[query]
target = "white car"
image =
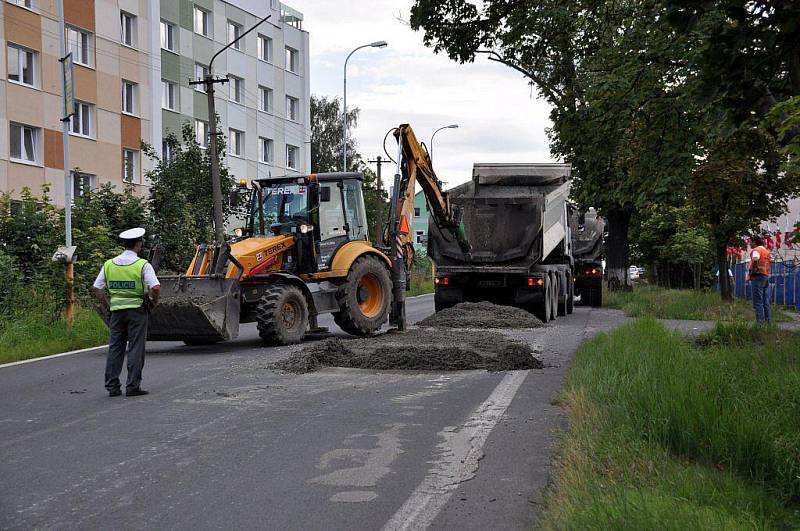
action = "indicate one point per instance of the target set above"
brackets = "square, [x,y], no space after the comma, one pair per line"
[633,273]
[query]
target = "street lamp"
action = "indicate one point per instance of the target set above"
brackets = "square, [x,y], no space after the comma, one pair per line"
[451,126]
[376,44]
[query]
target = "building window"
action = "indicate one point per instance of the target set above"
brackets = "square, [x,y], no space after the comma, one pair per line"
[80,123]
[200,72]
[201,133]
[265,48]
[420,237]
[237,89]
[130,165]
[129,97]
[22,65]
[24,143]
[82,183]
[417,212]
[128,27]
[169,95]
[235,142]
[265,150]
[292,60]
[265,99]
[167,153]
[79,42]
[202,22]
[168,36]
[234,32]
[292,108]
[291,156]
[23,3]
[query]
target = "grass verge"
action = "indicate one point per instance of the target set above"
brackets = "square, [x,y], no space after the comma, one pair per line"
[669,435]
[682,304]
[35,336]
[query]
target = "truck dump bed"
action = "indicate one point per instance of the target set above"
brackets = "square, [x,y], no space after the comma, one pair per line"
[513,217]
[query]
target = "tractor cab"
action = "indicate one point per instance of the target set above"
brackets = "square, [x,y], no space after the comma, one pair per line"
[323,211]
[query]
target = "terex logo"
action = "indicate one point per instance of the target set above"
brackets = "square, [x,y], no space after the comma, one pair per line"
[279,247]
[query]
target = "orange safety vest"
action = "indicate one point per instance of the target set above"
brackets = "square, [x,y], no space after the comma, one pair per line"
[760,266]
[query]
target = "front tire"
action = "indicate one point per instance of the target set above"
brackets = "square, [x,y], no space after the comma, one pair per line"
[282,315]
[364,298]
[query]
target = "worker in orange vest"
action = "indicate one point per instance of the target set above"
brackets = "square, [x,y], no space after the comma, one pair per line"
[759,279]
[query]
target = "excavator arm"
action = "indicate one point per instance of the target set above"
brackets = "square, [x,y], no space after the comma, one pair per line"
[414,166]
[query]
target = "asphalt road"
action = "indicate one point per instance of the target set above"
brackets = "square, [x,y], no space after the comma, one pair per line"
[222,442]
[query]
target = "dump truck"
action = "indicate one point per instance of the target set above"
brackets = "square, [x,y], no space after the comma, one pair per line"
[587,250]
[516,220]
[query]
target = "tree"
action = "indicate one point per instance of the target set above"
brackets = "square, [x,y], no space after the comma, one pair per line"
[608,71]
[180,202]
[326,151]
[326,136]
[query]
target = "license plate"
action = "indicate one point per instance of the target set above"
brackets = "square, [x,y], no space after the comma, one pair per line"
[490,283]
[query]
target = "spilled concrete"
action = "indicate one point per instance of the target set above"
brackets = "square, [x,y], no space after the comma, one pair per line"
[481,315]
[416,349]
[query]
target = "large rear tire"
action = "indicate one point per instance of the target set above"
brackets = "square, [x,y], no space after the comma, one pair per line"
[542,309]
[562,301]
[282,315]
[597,296]
[364,298]
[570,295]
[440,303]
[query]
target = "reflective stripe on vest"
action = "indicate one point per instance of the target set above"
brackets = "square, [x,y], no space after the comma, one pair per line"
[125,284]
[760,266]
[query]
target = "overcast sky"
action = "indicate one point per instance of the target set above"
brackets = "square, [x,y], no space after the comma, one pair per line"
[500,119]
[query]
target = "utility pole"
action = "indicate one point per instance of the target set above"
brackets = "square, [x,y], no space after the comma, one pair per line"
[69,108]
[216,186]
[379,206]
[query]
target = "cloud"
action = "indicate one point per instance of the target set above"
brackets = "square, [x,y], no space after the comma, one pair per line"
[500,118]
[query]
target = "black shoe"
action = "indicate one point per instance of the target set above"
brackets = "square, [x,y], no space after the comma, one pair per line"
[136,392]
[115,392]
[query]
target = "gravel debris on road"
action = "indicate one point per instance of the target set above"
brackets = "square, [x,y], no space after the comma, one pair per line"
[416,349]
[481,315]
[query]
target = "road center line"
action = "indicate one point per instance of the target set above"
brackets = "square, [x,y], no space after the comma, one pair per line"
[458,460]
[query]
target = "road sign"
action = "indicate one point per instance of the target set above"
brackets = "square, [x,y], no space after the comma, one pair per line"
[69,86]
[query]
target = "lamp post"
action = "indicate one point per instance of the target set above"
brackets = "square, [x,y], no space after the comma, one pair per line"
[376,44]
[451,126]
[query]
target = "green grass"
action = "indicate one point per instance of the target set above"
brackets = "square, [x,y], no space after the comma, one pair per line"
[682,304]
[669,435]
[34,336]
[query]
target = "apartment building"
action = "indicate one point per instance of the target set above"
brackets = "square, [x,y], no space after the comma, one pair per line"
[113,84]
[133,63]
[264,107]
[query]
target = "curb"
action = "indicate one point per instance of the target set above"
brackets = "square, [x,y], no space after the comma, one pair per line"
[51,356]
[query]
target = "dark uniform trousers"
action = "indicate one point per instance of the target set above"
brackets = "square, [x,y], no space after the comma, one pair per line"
[128,329]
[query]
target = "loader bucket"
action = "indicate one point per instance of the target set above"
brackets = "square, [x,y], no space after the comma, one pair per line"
[196,310]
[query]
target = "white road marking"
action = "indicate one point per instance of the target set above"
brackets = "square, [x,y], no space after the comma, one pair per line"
[42,358]
[459,458]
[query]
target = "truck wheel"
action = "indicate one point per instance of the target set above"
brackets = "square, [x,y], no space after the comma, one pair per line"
[570,295]
[282,315]
[562,301]
[542,309]
[364,297]
[440,303]
[597,297]
[553,297]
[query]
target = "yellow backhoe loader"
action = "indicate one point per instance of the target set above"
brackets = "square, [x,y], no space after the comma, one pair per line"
[305,252]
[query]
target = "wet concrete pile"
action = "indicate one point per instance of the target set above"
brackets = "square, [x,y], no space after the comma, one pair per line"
[481,315]
[416,349]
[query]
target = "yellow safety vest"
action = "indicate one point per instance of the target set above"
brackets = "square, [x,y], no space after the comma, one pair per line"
[125,283]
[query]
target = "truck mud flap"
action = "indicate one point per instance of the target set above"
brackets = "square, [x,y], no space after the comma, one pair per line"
[196,310]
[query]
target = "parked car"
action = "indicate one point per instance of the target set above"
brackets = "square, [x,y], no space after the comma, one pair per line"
[633,273]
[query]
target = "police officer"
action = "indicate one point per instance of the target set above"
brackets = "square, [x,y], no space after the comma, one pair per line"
[130,281]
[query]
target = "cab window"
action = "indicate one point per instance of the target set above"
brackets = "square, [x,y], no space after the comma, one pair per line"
[331,214]
[354,208]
